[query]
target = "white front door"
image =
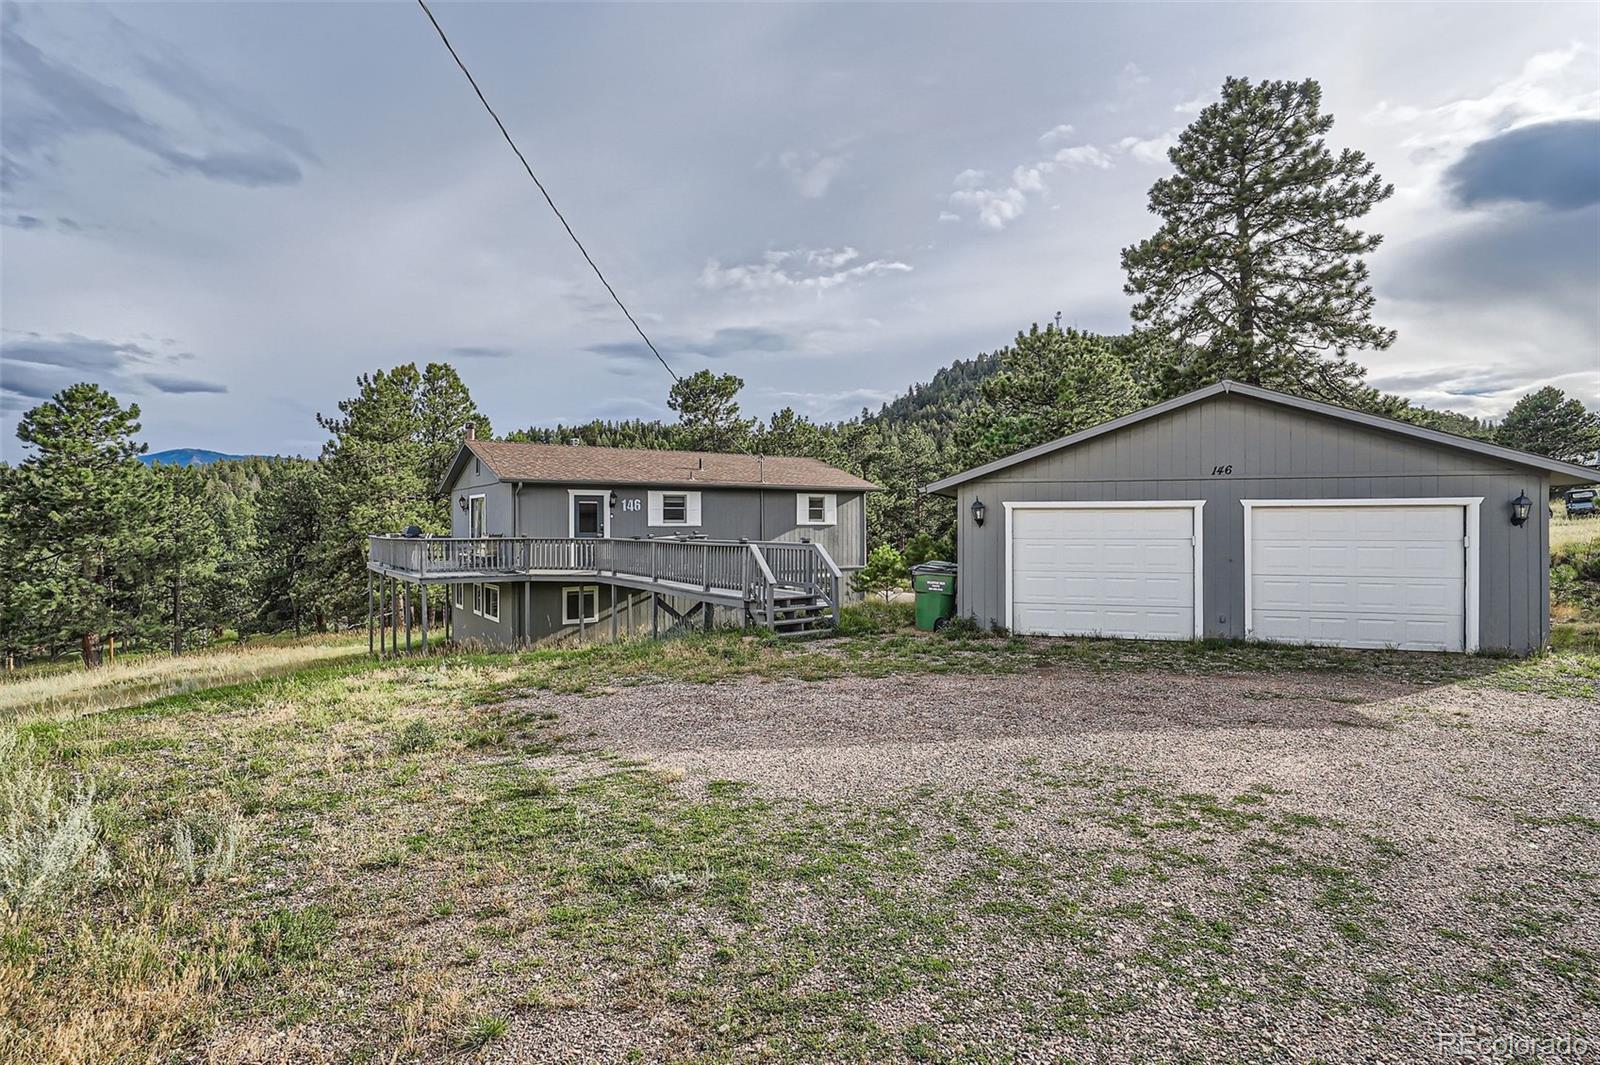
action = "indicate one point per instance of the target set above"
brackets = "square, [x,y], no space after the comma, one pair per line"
[1100,570]
[1359,576]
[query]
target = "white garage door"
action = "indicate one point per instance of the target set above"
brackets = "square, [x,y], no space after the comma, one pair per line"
[1104,571]
[1359,576]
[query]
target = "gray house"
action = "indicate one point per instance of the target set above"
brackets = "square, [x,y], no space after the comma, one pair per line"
[551,540]
[1235,511]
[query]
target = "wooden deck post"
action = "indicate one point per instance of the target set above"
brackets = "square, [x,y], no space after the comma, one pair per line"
[613,613]
[403,598]
[655,615]
[369,612]
[424,618]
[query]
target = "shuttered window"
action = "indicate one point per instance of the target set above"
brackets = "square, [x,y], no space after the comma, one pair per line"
[816,508]
[674,508]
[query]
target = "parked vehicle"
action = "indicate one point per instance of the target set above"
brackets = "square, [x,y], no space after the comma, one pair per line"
[1581,503]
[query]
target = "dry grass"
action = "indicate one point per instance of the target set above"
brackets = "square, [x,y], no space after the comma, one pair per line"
[56,694]
[1564,531]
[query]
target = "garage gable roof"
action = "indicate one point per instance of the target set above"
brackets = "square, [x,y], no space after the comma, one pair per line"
[1562,473]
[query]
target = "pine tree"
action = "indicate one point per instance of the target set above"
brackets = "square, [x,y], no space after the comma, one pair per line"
[1255,272]
[883,575]
[289,527]
[708,412]
[1051,383]
[181,593]
[1548,422]
[381,470]
[77,524]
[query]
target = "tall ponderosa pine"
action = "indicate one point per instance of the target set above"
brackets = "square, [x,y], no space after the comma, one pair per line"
[1255,272]
[78,524]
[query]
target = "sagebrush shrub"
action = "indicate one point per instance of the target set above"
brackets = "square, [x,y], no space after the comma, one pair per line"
[207,849]
[416,735]
[49,842]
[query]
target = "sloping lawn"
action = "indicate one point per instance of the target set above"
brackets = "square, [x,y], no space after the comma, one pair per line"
[499,857]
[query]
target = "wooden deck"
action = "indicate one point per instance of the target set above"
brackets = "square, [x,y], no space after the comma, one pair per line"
[768,580]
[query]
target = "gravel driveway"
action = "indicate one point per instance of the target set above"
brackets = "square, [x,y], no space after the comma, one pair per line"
[1141,866]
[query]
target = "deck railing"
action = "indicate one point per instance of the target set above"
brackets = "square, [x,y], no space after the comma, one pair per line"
[756,571]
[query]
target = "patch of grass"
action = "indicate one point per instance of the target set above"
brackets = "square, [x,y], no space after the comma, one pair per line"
[480,1032]
[415,735]
[73,691]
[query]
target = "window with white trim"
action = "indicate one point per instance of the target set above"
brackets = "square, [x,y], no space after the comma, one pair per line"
[580,603]
[816,508]
[461,595]
[491,602]
[476,516]
[477,599]
[674,508]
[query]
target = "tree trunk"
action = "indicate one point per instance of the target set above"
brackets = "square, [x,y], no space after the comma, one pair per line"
[89,647]
[1245,298]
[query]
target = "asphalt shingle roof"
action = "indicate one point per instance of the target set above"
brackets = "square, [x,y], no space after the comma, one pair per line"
[619,465]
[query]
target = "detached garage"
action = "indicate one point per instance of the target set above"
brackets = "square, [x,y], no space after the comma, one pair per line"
[1236,511]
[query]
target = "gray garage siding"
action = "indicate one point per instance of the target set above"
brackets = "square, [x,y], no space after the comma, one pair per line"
[1276,453]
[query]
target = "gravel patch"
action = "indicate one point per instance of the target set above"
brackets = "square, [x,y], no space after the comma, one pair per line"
[1155,867]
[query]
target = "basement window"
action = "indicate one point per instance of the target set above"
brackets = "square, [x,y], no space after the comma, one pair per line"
[461,596]
[580,604]
[491,602]
[477,599]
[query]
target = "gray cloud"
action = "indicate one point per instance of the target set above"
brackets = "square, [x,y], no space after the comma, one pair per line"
[34,382]
[1552,164]
[176,385]
[74,352]
[37,367]
[480,353]
[721,344]
[49,102]
[1550,258]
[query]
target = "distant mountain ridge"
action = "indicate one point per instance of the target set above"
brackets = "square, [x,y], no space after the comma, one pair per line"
[188,456]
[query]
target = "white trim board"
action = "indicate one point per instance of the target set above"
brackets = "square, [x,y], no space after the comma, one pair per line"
[1196,505]
[605,511]
[1473,506]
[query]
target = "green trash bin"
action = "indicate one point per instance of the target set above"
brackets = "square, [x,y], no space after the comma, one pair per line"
[935,585]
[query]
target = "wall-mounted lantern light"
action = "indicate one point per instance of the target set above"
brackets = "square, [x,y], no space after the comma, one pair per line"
[1521,507]
[978,511]
[462,502]
[613,499]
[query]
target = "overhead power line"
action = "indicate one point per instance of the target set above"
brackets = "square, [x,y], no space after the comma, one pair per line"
[524,160]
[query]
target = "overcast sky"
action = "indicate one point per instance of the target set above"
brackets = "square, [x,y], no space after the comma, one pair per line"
[226,212]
